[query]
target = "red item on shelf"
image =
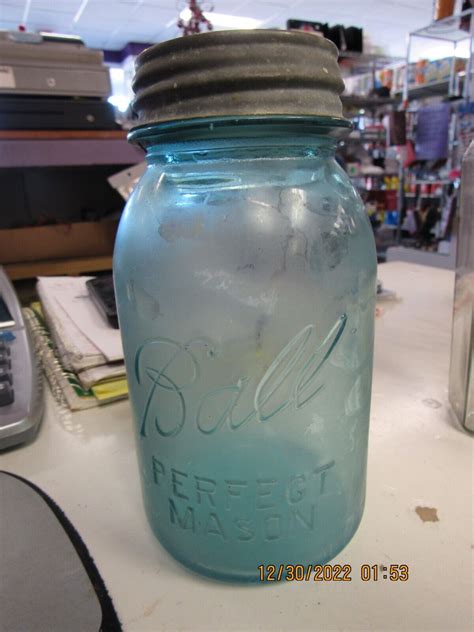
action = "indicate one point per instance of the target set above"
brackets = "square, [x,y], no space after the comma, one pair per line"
[410,155]
[391,200]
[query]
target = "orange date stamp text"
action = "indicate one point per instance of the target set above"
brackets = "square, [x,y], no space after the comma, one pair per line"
[332,572]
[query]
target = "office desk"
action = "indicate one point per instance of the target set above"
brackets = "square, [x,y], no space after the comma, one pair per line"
[418,457]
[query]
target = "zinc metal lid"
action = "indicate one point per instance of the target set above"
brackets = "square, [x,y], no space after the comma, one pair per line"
[238,73]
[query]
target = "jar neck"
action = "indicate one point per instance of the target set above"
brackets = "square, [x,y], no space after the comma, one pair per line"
[246,138]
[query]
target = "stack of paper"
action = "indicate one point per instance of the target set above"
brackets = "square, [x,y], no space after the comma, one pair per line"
[87,350]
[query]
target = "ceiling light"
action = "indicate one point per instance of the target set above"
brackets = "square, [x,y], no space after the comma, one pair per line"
[224,20]
[26,12]
[80,11]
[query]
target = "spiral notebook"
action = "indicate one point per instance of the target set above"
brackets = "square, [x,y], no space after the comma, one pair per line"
[65,384]
[82,335]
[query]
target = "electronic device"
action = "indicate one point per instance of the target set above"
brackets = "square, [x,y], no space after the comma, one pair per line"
[25,112]
[101,291]
[52,81]
[21,383]
[51,64]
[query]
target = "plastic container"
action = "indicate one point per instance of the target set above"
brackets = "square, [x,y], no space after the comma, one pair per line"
[245,281]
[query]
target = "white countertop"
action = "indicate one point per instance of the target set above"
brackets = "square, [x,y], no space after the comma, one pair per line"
[418,456]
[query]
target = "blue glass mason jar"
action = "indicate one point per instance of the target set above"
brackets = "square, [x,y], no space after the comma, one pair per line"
[245,275]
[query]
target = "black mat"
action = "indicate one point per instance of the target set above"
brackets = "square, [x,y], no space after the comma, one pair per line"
[49,580]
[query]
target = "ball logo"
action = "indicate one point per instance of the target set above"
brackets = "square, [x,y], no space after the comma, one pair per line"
[293,379]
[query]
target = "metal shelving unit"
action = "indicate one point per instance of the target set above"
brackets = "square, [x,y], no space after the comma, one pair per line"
[361,64]
[59,148]
[460,85]
[358,102]
[422,91]
[454,82]
[446,30]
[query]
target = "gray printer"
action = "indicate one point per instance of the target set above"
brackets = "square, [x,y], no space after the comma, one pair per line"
[52,81]
[50,64]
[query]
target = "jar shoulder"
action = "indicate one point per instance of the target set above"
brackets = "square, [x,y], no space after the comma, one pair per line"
[304,216]
[322,186]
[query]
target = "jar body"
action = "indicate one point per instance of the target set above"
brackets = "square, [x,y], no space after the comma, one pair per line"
[245,290]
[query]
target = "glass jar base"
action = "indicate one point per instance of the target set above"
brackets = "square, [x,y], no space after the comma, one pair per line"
[252,577]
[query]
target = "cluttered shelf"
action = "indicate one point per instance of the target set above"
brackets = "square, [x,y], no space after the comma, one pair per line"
[428,89]
[361,101]
[451,28]
[421,144]
[58,148]
[60,134]
[415,92]
[420,75]
[421,91]
[77,265]
[59,248]
[66,221]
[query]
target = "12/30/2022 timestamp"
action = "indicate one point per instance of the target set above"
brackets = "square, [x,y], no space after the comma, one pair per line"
[332,572]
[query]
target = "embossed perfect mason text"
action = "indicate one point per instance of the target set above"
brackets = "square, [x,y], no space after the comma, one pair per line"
[242,509]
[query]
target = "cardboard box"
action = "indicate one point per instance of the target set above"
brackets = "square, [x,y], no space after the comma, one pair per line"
[59,241]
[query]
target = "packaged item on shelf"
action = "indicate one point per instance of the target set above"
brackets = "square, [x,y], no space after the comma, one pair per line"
[354,39]
[431,72]
[348,39]
[465,21]
[391,200]
[443,9]
[353,168]
[318,28]
[386,77]
[391,217]
[465,122]
[409,223]
[411,74]
[398,78]
[432,132]
[337,36]
[443,69]
[420,71]
[397,128]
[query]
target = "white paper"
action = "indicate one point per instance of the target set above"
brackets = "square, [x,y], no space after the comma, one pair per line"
[73,296]
[7,77]
[103,373]
[75,350]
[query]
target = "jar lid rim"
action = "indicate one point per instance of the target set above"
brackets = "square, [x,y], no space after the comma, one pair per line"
[193,129]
